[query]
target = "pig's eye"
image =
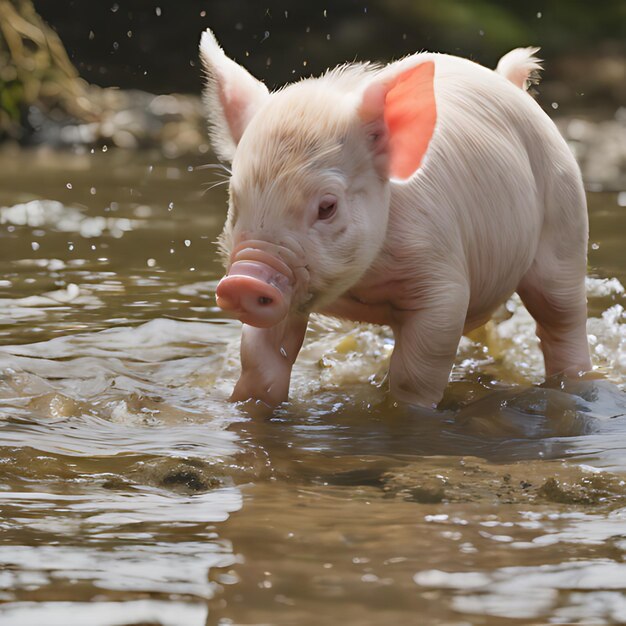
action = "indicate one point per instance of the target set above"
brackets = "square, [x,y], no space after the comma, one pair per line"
[327,208]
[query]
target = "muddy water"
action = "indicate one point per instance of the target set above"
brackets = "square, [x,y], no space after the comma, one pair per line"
[131,492]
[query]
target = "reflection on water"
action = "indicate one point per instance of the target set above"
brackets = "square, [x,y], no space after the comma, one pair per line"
[81,613]
[128,480]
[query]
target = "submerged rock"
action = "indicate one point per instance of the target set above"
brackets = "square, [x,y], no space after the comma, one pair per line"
[594,489]
[470,479]
[187,476]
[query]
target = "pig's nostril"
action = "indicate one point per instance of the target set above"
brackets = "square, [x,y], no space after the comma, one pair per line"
[264,300]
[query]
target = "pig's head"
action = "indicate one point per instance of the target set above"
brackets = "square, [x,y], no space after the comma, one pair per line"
[309,190]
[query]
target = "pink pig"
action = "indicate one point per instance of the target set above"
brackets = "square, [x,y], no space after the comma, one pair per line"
[420,195]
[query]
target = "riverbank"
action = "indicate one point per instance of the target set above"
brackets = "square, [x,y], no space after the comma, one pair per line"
[175,126]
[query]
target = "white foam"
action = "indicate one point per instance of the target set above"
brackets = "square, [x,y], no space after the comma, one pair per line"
[603,287]
[514,342]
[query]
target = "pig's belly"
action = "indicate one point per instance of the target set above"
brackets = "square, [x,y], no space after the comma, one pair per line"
[379,301]
[479,315]
[492,283]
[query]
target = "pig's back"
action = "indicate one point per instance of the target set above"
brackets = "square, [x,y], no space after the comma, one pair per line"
[482,191]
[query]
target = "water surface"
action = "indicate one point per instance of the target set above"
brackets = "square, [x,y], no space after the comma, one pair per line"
[128,480]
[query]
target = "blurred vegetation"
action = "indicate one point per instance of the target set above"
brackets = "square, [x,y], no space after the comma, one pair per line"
[151,45]
[34,69]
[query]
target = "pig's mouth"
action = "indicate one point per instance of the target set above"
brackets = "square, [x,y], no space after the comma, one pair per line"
[260,283]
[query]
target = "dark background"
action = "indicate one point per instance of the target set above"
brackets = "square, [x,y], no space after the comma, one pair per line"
[152,45]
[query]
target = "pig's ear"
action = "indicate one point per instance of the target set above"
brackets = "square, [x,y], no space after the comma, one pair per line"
[232,97]
[400,115]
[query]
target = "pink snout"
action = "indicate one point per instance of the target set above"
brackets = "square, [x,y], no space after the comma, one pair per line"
[256,292]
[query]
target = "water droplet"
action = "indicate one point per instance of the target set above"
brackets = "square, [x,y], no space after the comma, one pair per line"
[187,242]
[539,14]
[357,560]
[69,185]
[34,245]
[115,8]
[555,105]
[91,35]
[151,262]
[369,578]
[158,11]
[92,191]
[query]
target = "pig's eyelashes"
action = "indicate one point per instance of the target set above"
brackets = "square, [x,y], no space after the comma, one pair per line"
[327,208]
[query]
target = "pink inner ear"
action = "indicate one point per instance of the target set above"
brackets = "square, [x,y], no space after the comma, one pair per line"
[234,111]
[410,116]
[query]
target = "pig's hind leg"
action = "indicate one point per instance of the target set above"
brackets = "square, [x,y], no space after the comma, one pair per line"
[553,289]
[556,299]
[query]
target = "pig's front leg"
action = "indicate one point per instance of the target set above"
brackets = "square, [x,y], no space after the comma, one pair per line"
[267,356]
[427,339]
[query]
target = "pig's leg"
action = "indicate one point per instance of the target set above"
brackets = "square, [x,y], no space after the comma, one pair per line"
[267,356]
[553,291]
[426,343]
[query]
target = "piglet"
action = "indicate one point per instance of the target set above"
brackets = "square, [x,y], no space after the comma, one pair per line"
[419,194]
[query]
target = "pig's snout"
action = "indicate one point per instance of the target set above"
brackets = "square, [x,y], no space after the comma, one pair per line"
[256,292]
